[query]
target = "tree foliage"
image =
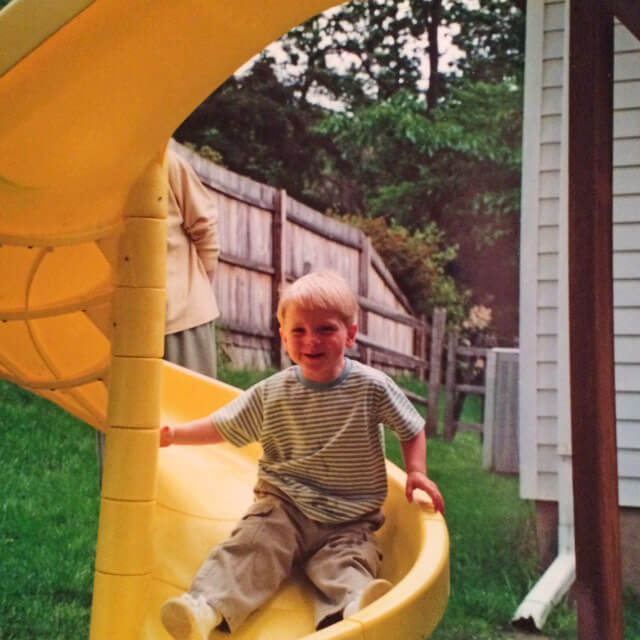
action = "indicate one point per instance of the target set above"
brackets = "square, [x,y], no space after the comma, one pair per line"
[419,167]
[492,37]
[365,51]
[341,114]
[261,129]
[419,259]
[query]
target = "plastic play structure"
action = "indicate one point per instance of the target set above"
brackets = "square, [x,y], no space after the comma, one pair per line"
[91,92]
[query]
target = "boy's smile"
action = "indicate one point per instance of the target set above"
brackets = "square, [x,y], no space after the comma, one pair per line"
[316,339]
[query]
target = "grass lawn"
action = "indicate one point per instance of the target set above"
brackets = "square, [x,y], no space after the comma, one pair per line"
[49,512]
[48,519]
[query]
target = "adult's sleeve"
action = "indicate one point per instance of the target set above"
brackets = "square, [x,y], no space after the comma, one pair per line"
[199,211]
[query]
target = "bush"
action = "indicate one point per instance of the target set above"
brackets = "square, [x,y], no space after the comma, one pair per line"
[418,260]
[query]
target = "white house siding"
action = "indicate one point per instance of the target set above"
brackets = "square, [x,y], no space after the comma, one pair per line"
[544,392]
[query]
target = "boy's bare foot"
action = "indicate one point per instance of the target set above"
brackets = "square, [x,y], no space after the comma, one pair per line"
[188,614]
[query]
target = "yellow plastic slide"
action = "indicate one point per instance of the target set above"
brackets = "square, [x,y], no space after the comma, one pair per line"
[90,92]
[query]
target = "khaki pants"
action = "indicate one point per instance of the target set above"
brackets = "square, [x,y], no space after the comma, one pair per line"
[271,539]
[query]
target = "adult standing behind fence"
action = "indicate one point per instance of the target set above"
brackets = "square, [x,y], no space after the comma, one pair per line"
[192,257]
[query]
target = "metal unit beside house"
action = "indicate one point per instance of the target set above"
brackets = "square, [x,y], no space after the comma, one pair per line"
[545,433]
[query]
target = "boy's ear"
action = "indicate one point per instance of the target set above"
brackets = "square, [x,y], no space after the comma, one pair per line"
[351,334]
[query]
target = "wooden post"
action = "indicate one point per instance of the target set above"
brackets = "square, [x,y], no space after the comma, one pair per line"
[278,244]
[435,362]
[420,345]
[363,290]
[595,473]
[450,386]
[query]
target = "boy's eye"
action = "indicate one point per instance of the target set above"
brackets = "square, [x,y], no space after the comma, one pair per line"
[298,331]
[327,329]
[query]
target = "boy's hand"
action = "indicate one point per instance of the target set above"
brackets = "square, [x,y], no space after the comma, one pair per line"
[166,436]
[418,480]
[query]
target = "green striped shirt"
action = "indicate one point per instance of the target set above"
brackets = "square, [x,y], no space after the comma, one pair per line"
[321,441]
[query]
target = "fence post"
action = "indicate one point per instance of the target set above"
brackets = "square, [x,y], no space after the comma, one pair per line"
[420,345]
[278,239]
[363,291]
[435,362]
[450,425]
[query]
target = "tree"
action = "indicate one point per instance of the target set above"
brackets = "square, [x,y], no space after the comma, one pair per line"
[368,51]
[458,166]
[492,37]
[418,166]
[261,129]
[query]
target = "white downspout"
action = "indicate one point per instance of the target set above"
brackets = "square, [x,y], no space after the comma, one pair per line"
[558,578]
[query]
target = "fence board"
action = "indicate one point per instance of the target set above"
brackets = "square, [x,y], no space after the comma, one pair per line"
[477,389]
[388,288]
[450,384]
[323,226]
[409,360]
[246,264]
[473,427]
[363,291]
[437,338]
[237,187]
[278,243]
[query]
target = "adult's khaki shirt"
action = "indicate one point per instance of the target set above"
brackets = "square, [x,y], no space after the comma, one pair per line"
[192,249]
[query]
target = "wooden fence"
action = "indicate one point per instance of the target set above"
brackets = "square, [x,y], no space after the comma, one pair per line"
[269,239]
[464,373]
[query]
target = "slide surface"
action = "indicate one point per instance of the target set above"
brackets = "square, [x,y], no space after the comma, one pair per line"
[91,91]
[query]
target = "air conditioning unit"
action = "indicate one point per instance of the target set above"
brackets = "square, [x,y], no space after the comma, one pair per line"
[500,443]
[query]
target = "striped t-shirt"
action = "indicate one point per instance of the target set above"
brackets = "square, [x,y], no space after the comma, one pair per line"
[321,441]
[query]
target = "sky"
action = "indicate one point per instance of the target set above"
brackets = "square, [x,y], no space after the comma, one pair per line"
[448,54]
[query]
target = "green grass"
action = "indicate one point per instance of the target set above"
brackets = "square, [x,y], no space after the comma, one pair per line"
[493,549]
[49,512]
[48,519]
[243,378]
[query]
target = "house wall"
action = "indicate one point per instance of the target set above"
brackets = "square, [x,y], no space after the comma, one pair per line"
[544,394]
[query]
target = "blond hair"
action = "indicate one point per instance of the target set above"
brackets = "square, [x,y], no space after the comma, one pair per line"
[324,290]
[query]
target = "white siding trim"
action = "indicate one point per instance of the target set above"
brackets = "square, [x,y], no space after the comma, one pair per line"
[563,452]
[563,356]
[529,248]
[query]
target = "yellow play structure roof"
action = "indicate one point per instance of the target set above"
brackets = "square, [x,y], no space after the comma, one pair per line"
[91,92]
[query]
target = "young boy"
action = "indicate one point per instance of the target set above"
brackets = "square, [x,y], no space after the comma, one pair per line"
[321,478]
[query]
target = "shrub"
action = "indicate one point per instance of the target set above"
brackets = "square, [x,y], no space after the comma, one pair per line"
[418,260]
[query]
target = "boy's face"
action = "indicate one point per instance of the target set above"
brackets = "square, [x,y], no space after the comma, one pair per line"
[316,340]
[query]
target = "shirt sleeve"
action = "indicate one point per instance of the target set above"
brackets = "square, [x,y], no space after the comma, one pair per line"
[240,421]
[199,213]
[397,413]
